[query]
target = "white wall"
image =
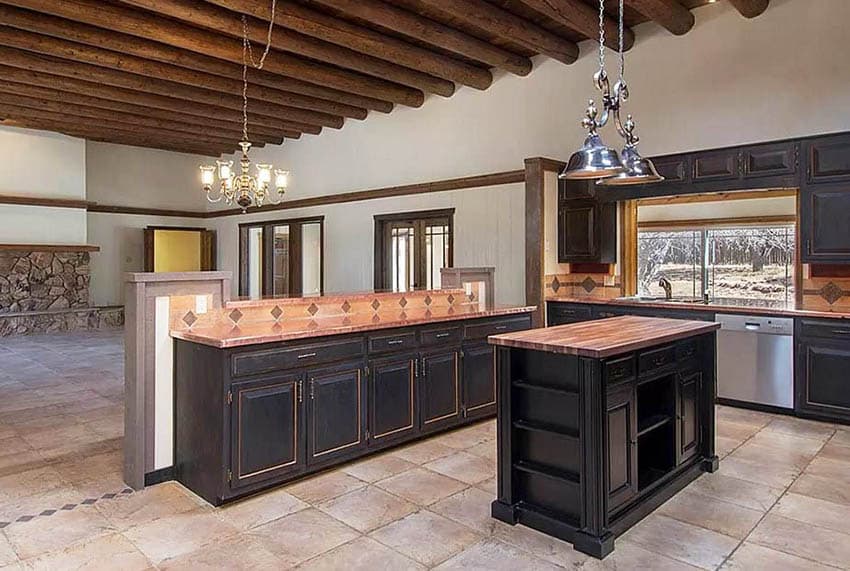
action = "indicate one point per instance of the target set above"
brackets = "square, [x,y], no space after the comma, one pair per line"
[489,228]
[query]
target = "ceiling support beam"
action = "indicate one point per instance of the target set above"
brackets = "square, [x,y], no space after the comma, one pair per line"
[101,47]
[584,19]
[364,40]
[91,72]
[227,23]
[507,25]
[668,13]
[387,16]
[267,125]
[152,27]
[750,8]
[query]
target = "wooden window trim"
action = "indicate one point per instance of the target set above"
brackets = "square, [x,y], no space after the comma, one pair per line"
[209,260]
[717,222]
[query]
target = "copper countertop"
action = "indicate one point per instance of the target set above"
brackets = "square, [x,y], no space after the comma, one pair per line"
[225,336]
[604,337]
[720,307]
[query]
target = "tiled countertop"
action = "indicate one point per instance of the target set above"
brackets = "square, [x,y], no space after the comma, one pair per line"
[723,306]
[224,336]
[606,337]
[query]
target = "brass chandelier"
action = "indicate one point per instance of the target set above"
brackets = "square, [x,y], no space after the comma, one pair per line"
[595,160]
[244,188]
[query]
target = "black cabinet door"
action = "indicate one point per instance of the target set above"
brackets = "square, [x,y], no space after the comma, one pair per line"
[822,380]
[621,428]
[825,223]
[439,389]
[336,416]
[587,231]
[558,313]
[774,159]
[392,411]
[479,380]
[713,166]
[687,417]
[828,159]
[267,436]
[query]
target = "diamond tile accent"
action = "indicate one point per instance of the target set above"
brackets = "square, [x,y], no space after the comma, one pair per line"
[108,496]
[346,320]
[556,285]
[588,284]
[403,315]
[25,518]
[89,501]
[68,507]
[402,302]
[313,309]
[428,313]
[376,319]
[451,298]
[189,319]
[5,524]
[47,512]
[235,315]
[831,293]
[346,307]
[376,304]
[428,300]
[277,312]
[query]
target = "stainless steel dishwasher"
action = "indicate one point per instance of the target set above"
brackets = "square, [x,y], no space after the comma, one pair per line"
[755,360]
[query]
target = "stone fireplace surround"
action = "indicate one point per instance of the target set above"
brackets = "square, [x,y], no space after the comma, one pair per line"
[46,288]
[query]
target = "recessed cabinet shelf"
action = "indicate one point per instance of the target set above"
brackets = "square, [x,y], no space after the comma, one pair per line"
[653,422]
[539,427]
[544,388]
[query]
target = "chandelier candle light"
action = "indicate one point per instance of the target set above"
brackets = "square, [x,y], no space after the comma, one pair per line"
[595,160]
[245,189]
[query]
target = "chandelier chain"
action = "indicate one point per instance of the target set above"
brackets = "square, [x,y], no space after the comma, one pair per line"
[248,55]
[622,56]
[601,35]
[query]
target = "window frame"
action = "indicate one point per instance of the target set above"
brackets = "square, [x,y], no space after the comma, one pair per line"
[382,222]
[295,257]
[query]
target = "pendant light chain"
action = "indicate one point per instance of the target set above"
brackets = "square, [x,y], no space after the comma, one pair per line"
[248,55]
[622,56]
[602,35]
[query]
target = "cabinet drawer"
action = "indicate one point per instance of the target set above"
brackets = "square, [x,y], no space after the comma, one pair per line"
[484,330]
[686,350]
[268,360]
[656,359]
[394,342]
[440,336]
[621,369]
[832,329]
[560,314]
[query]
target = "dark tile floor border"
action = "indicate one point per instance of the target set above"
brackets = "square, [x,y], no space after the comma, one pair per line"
[67,507]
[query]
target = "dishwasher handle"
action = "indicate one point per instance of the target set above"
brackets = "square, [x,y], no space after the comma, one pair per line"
[749,326]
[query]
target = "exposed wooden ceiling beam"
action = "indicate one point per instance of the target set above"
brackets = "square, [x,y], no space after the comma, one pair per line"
[98,40]
[504,23]
[434,33]
[78,53]
[168,31]
[750,8]
[584,19]
[668,13]
[199,13]
[364,40]
[42,114]
[184,121]
[268,125]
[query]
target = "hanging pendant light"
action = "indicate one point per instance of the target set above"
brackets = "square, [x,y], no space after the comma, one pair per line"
[595,160]
[246,189]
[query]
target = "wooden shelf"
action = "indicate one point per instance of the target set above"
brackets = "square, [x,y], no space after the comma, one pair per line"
[547,428]
[50,247]
[554,473]
[653,422]
[546,388]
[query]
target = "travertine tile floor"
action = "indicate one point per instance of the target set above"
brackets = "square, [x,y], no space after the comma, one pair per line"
[781,500]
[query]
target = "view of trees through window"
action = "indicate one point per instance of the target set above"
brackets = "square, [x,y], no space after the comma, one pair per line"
[744,262]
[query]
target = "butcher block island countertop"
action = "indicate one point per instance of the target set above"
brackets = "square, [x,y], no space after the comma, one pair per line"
[604,337]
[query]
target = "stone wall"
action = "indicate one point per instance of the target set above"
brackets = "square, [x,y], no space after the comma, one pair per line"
[40,281]
[55,321]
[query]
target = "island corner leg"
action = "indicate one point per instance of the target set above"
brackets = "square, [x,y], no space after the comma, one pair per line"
[710,462]
[504,512]
[595,546]
[503,508]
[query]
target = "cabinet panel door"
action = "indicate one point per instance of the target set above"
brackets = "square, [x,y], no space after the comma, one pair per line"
[716,165]
[825,223]
[439,389]
[391,397]
[828,159]
[674,169]
[577,220]
[266,429]
[479,380]
[769,160]
[824,385]
[687,417]
[621,420]
[561,313]
[336,417]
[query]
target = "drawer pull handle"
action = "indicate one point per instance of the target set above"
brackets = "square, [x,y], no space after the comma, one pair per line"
[658,361]
[841,331]
[306,355]
[500,327]
[441,335]
[395,342]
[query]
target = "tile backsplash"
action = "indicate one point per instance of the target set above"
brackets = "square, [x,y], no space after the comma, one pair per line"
[825,293]
[607,286]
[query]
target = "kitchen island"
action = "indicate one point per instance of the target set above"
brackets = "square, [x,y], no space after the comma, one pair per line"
[261,401]
[601,422]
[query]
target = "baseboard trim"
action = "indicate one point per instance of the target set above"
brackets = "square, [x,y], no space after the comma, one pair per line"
[159,476]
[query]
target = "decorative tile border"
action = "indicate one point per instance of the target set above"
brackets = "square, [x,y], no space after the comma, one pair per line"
[67,507]
[826,294]
[582,285]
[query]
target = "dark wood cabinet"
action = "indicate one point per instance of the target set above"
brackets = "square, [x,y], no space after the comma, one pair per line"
[713,166]
[337,420]
[392,397]
[676,169]
[559,313]
[587,231]
[439,389]
[268,439]
[621,428]
[825,223]
[479,380]
[687,416]
[823,361]
[776,159]
[828,159]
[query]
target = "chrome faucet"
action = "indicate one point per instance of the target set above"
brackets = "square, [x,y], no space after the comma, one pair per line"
[665,284]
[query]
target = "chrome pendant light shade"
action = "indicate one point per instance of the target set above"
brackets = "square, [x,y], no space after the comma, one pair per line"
[637,169]
[593,160]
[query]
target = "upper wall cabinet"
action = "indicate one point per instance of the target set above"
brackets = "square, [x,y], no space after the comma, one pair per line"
[712,166]
[587,228]
[828,159]
[825,223]
[774,159]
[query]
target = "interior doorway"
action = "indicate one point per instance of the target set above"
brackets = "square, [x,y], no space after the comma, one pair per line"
[179,249]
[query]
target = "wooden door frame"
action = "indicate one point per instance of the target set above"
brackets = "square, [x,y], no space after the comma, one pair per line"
[206,255]
[380,224]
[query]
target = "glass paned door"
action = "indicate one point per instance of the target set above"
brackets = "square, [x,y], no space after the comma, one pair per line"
[255,262]
[402,252]
[311,258]
[281,260]
[411,249]
[436,253]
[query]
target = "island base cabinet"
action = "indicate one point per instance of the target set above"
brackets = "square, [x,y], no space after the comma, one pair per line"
[479,381]
[621,428]
[337,419]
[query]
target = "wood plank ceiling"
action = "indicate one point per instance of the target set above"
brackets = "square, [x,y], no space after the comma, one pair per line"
[167,73]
